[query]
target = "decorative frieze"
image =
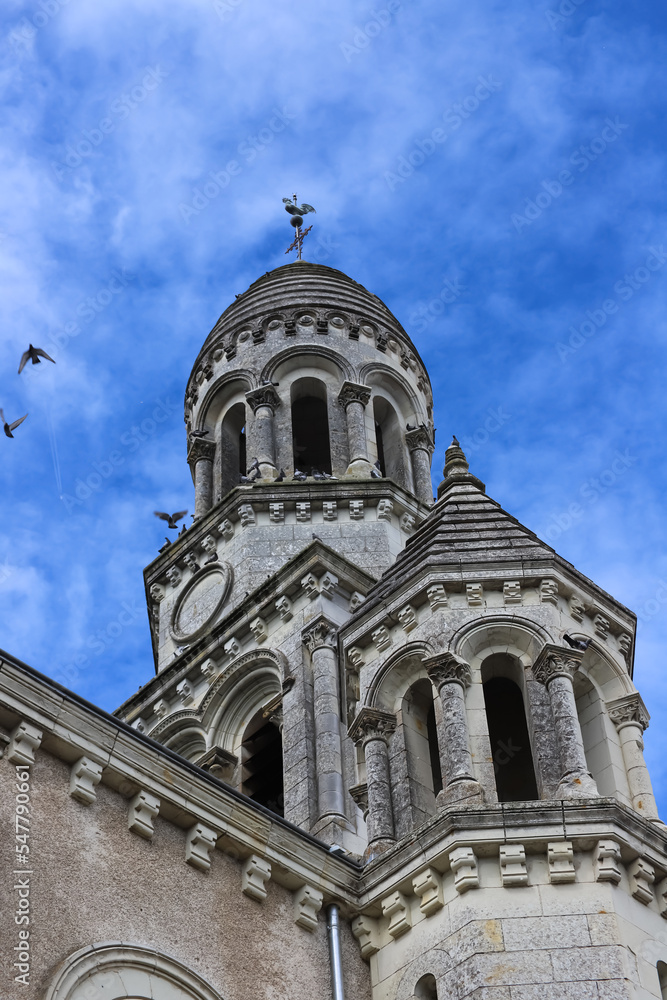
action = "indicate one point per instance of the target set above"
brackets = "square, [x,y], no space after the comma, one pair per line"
[23,741]
[307,904]
[512,592]
[199,841]
[303,512]
[463,864]
[365,930]
[226,529]
[601,626]
[428,886]
[85,775]
[407,522]
[397,908]
[246,515]
[437,596]
[577,608]
[381,638]
[642,877]
[356,510]
[607,858]
[548,592]
[185,692]
[284,608]
[259,630]
[255,873]
[560,858]
[475,595]
[513,870]
[329,510]
[407,616]
[276,513]
[384,510]
[143,809]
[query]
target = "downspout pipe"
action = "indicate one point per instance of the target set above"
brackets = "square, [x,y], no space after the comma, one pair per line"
[333,932]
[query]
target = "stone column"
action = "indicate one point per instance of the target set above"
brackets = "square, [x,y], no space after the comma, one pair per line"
[420,446]
[372,729]
[555,667]
[200,459]
[451,676]
[631,718]
[354,398]
[261,437]
[321,639]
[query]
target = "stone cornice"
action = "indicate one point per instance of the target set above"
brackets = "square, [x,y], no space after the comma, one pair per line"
[352,392]
[556,661]
[265,395]
[629,710]
[447,668]
[372,724]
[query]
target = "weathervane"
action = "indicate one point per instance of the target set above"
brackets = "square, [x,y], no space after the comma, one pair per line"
[297,213]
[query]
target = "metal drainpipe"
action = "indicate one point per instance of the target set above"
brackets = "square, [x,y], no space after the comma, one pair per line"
[334,953]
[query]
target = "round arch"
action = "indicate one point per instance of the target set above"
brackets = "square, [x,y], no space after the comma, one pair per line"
[122,970]
[378,375]
[221,394]
[390,685]
[291,355]
[246,685]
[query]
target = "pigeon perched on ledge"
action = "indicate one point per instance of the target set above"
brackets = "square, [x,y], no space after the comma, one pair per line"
[577,643]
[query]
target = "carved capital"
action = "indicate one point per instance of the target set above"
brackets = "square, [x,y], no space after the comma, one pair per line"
[322,633]
[352,392]
[265,395]
[419,440]
[200,448]
[556,661]
[372,724]
[629,710]
[447,668]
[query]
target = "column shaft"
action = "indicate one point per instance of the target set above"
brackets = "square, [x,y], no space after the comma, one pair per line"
[354,398]
[203,486]
[451,676]
[328,753]
[639,780]
[421,473]
[380,823]
[263,444]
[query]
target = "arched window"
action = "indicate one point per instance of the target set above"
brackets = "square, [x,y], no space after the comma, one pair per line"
[508,730]
[233,457]
[599,737]
[262,760]
[426,988]
[310,426]
[662,974]
[421,744]
[389,441]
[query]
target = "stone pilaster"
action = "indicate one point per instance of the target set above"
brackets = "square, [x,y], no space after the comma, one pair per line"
[321,640]
[354,399]
[200,459]
[372,729]
[555,667]
[263,402]
[420,447]
[631,718]
[451,676]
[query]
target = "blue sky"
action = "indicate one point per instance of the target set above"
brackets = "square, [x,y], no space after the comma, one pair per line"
[493,171]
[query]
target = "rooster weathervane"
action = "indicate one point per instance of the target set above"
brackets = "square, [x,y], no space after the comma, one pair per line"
[297,213]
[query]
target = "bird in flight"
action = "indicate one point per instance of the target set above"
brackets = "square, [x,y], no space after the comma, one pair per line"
[170,518]
[7,427]
[577,643]
[33,354]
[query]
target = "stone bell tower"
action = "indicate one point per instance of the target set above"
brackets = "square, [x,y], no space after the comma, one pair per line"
[425,684]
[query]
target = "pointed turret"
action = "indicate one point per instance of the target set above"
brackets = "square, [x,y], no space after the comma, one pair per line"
[456,469]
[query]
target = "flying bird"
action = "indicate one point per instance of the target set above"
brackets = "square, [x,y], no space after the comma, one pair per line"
[577,643]
[8,428]
[33,354]
[295,209]
[171,518]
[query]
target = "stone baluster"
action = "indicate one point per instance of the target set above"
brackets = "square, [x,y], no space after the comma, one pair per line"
[451,676]
[200,459]
[631,718]
[420,447]
[555,667]
[321,639]
[372,729]
[354,398]
[261,435]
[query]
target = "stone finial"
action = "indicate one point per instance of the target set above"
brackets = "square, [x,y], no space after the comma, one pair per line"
[457,468]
